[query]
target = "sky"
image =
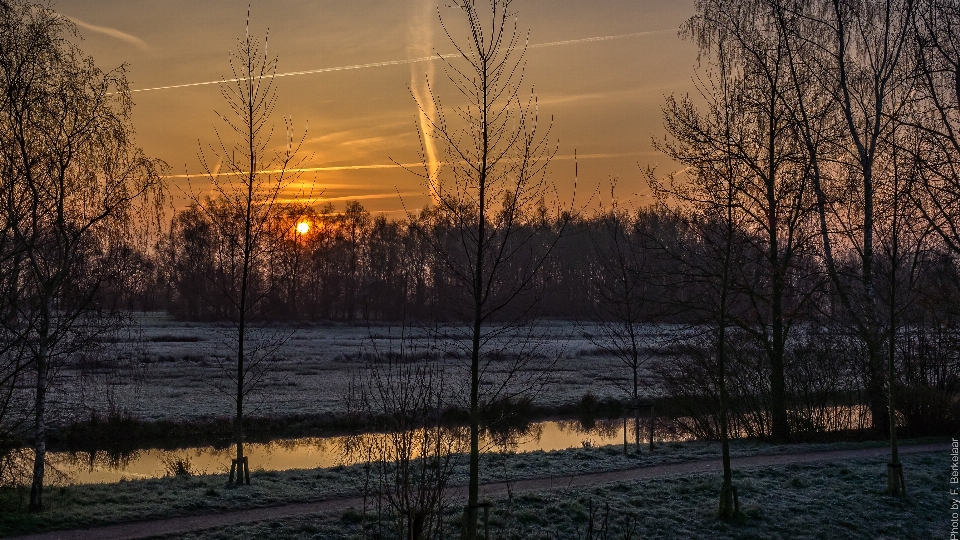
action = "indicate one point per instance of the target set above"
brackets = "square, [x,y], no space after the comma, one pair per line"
[604,95]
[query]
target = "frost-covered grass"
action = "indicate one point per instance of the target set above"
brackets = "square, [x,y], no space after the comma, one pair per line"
[172,369]
[97,504]
[802,501]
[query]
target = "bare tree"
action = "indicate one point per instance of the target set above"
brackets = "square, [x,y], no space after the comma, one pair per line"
[73,181]
[775,194]
[851,69]
[248,178]
[860,61]
[936,116]
[622,296]
[486,234]
[407,451]
[706,196]
[935,119]
[903,238]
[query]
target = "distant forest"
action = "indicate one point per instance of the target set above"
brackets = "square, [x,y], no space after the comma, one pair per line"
[354,266]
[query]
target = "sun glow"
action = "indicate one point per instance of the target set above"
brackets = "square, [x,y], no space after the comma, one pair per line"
[303,227]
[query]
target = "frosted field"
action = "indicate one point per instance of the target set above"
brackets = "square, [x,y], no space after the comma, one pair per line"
[163,369]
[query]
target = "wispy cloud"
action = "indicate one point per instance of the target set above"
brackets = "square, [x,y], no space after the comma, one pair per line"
[613,95]
[302,170]
[602,156]
[370,131]
[114,33]
[421,77]
[369,196]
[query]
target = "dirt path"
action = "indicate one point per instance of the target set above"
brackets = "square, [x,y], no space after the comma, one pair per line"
[178,525]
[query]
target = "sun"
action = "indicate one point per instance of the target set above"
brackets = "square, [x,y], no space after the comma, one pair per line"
[303,227]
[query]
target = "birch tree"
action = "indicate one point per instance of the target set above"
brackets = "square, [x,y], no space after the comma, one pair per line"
[73,180]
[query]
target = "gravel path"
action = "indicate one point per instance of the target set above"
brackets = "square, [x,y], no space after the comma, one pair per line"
[179,525]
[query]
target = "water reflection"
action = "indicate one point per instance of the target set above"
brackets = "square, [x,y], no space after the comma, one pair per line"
[313,452]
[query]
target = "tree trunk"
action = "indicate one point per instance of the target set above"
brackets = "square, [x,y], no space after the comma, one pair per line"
[780,428]
[473,492]
[876,396]
[241,465]
[729,503]
[636,397]
[778,395]
[40,427]
[473,495]
[895,480]
[40,444]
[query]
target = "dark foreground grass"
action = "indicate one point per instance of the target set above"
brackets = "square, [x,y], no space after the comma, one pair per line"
[69,507]
[824,500]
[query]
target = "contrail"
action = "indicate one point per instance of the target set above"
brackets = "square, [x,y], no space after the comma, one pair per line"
[421,42]
[403,62]
[218,173]
[600,38]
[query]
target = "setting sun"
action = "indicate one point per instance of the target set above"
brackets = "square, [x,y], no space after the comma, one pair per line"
[303,227]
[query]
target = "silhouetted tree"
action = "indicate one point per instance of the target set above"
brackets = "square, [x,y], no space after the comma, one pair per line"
[407,452]
[852,73]
[485,232]
[708,200]
[622,288]
[248,180]
[775,194]
[73,180]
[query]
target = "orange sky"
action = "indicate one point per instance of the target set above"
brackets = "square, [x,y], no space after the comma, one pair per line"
[605,95]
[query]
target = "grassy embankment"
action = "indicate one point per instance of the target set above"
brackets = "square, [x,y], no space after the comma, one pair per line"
[801,501]
[834,497]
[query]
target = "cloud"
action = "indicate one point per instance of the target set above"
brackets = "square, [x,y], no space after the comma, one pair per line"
[389,166]
[114,33]
[387,195]
[612,95]
[304,170]
[378,124]
[421,76]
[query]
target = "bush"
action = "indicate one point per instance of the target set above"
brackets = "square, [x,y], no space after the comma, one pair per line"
[179,466]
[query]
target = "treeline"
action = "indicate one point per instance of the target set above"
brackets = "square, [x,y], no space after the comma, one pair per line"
[349,266]
[355,266]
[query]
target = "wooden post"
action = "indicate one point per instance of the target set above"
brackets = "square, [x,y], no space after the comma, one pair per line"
[242,469]
[486,519]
